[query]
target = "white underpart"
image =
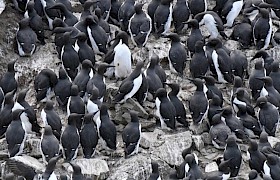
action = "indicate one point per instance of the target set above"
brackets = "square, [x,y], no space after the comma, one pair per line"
[26,14]
[98,124]
[167,24]
[205,89]
[187,168]
[68,107]
[93,108]
[236,101]
[264,92]
[122,60]
[52,177]
[252,15]
[24,139]
[216,65]
[235,10]
[92,41]
[205,5]
[76,47]
[110,71]
[44,117]
[41,151]
[136,149]
[136,85]
[23,117]
[210,24]
[20,50]
[226,176]
[266,169]
[1,92]
[268,37]
[50,21]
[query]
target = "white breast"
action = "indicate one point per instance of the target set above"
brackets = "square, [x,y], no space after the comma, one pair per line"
[236,8]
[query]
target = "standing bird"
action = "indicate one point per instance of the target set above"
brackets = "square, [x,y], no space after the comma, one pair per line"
[214,107]
[271,166]
[16,140]
[222,62]
[240,63]
[69,57]
[131,85]
[62,89]
[83,49]
[26,38]
[122,56]
[97,36]
[262,29]
[8,82]
[50,117]
[77,172]
[28,117]
[177,54]
[94,104]
[44,82]
[240,98]
[154,80]
[197,6]
[49,171]
[140,26]
[270,92]
[126,11]
[163,17]
[243,33]
[106,129]
[105,7]
[267,60]
[275,74]
[198,103]
[233,123]
[50,14]
[88,136]
[180,15]
[75,102]
[68,17]
[213,23]
[115,6]
[219,132]
[155,172]
[257,158]
[49,144]
[178,104]
[82,78]
[192,169]
[194,36]
[231,10]
[152,7]
[98,81]
[165,109]
[199,63]
[35,22]
[131,136]
[232,150]
[70,138]
[251,124]
[101,22]
[256,84]
[268,115]
[212,88]
[6,113]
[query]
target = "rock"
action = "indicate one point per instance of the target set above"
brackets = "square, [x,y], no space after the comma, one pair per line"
[96,168]
[198,142]
[206,138]
[3,144]
[137,107]
[34,145]
[170,151]
[150,139]
[199,128]
[136,167]
[273,140]
[231,45]
[30,162]
[210,167]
